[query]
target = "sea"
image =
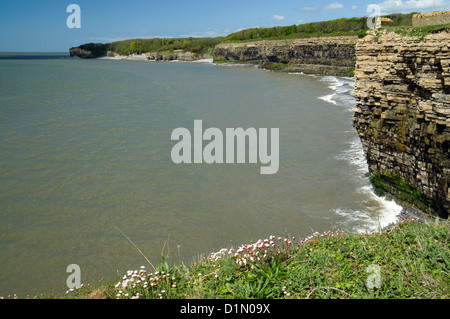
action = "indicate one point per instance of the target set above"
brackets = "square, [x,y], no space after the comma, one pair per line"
[87,178]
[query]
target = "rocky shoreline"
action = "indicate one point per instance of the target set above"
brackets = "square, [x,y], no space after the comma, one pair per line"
[320,55]
[155,56]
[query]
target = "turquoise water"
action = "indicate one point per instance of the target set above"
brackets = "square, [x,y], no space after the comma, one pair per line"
[85,155]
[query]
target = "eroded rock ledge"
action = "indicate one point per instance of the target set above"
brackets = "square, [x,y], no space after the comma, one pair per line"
[324,55]
[402,115]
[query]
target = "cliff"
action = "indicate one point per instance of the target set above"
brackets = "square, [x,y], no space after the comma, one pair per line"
[402,115]
[156,56]
[89,50]
[324,55]
[434,18]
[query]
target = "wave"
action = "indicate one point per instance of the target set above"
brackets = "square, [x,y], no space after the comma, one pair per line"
[382,212]
[342,88]
[328,98]
[301,73]
[234,64]
[209,61]
[378,212]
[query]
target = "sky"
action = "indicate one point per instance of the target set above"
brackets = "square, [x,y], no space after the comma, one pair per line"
[41,25]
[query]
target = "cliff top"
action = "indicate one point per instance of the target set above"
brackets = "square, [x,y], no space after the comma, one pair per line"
[418,32]
[432,14]
[350,39]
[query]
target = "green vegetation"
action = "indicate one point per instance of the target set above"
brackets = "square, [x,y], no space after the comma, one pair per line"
[420,31]
[413,258]
[198,46]
[219,60]
[343,26]
[97,49]
[398,187]
[324,28]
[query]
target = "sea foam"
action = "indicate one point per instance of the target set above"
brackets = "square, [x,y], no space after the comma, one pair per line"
[385,211]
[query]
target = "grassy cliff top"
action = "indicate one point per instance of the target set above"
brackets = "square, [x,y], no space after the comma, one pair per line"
[418,31]
[410,259]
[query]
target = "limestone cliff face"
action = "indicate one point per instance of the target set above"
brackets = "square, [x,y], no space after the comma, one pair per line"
[333,52]
[402,115]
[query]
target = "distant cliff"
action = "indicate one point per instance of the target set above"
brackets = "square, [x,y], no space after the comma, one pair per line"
[323,55]
[402,115]
[89,51]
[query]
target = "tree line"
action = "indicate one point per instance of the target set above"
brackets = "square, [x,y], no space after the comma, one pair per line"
[343,26]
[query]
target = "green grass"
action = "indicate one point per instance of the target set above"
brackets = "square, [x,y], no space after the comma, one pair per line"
[219,60]
[413,258]
[419,32]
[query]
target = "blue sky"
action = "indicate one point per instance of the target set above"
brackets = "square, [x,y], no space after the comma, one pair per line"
[40,25]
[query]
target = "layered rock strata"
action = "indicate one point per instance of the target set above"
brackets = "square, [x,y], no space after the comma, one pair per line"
[402,115]
[438,17]
[324,54]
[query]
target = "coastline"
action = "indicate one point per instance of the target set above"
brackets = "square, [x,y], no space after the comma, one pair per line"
[313,69]
[405,212]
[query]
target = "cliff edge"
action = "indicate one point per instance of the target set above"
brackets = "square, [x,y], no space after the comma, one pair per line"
[321,55]
[402,115]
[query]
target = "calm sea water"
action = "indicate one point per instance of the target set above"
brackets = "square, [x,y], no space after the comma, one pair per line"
[85,156]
